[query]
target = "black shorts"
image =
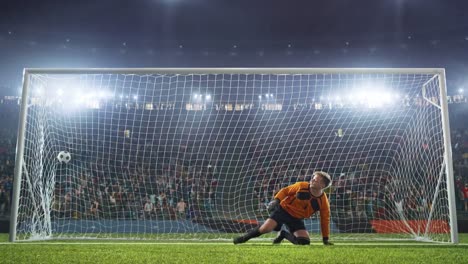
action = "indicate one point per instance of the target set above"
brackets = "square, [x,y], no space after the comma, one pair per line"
[284,218]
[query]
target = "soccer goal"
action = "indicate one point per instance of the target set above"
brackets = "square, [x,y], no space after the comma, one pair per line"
[198,153]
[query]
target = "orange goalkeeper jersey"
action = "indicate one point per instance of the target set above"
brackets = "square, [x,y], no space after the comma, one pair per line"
[297,200]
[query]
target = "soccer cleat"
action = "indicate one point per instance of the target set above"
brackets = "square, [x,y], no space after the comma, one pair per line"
[279,238]
[239,240]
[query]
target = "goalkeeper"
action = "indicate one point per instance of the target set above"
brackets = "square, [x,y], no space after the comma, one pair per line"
[291,205]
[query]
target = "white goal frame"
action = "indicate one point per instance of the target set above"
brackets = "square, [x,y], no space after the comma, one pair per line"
[437,72]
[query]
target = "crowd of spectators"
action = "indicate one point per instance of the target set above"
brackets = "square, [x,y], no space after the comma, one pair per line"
[168,193]
[7,158]
[459,137]
[8,119]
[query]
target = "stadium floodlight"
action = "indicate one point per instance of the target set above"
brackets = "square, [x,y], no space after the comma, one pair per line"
[123,156]
[373,99]
[208,97]
[460,91]
[135,97]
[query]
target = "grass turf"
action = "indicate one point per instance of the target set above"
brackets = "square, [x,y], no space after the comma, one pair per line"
[98,251]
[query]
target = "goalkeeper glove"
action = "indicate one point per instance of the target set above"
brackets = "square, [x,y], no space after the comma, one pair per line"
[326,242]
[273,205]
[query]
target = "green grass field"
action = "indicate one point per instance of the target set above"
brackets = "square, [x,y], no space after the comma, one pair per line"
[105,251]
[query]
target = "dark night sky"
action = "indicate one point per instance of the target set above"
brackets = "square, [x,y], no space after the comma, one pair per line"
[255,33]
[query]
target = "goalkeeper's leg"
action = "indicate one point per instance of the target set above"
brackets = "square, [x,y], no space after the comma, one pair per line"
[279,238]
[267,227]
[297,234]
[299,237]
[291,238]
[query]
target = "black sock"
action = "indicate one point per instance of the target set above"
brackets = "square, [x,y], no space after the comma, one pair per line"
[252,233]
[290,237]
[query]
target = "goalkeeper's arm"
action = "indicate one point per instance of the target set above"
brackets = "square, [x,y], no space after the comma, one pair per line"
[325,222]
[273,205]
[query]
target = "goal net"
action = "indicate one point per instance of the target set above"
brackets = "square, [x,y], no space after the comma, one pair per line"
[199,153]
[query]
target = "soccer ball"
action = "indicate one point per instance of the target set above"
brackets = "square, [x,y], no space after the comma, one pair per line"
[64,157]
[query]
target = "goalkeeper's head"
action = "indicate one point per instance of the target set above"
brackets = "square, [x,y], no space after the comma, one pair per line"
[321,178]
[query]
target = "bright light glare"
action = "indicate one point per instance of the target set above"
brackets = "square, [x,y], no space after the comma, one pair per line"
[378,99]
[386,98]
[460,91]
[208,97]
[38,91]
[375,98]
[79,97]
[362,96]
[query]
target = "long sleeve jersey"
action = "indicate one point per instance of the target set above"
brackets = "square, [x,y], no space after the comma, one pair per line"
[299,202]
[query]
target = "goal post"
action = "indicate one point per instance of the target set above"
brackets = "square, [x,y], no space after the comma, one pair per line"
[448,159]
[184,153]
[19,157]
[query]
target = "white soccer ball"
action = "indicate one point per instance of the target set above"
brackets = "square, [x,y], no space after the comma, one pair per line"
[64,157]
